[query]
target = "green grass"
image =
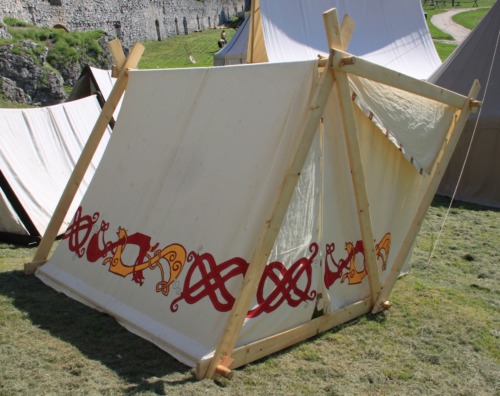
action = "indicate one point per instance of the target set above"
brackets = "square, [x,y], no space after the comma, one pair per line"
[444,50]
[8,104]
[175,52]
[470,19]
[441,336]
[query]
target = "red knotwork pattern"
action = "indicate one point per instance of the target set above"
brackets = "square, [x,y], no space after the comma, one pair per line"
[79,231]
[212,281]
[169,261]
[287,284]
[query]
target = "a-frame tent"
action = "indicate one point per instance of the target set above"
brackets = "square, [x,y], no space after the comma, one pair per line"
[245,232]
[38,150]
[235,51]
[390,33]
[95,81]
[477,57]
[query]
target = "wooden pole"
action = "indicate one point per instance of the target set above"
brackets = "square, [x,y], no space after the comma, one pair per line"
[271,229]
[371,71]
[266,241]
[251,39]
[444,156]
[84,161]
[354,154]
[261,348]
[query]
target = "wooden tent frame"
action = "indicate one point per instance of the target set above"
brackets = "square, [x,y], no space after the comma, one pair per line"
[120,70]
[333,75]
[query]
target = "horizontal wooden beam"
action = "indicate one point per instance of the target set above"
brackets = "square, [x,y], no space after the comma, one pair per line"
[259,349]
[371,71]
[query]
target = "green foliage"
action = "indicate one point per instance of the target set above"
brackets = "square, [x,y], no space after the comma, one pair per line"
[15,22]
[38,35]
[63,52]
[64,47]
[7,104]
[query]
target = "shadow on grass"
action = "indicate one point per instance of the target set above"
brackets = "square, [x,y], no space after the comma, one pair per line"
[97,335]
[441,201]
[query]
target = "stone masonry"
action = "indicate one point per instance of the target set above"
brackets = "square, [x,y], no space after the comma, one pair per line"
[128,20]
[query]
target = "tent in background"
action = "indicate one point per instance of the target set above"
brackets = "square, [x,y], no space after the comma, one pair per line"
[391,33]
[236,225]
[477,57]
[235,51]
[38,150]
[94,81]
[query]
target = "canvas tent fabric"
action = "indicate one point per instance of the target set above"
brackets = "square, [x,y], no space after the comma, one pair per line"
[391,33]
[201,186]
[94,81]
[235,51]
[39,148]
[477,57]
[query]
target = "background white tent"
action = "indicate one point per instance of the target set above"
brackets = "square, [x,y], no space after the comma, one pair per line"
[391,33]
[38,150]
[185,207]
[235,51]
[477,57]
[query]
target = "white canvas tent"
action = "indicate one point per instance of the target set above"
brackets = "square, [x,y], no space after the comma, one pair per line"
[391,33]
[39,148]
[235,51]
[238,226]
[477,57]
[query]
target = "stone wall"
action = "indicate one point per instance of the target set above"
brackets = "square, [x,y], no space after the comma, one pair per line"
[128,20]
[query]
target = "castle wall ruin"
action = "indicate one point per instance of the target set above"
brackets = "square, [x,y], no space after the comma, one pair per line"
[128,20]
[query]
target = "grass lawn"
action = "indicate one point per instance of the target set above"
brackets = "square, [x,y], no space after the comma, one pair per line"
[441,336]
[175,52]
[470,19]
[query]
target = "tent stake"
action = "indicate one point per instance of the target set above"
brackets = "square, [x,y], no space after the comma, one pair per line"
[86,156]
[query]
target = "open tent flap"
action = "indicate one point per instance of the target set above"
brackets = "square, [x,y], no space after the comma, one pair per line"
[181,196]
[416,125]
[391,33]
[39,149]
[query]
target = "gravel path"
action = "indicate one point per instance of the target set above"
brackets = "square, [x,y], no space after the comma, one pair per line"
[444,22]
